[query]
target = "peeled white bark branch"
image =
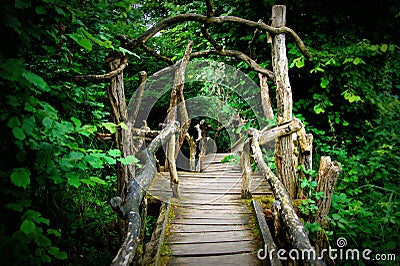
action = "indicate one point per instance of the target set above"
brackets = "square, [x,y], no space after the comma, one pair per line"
[297,233]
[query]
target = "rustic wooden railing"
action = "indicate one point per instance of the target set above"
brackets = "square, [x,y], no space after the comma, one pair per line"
[129,209]
[293,146]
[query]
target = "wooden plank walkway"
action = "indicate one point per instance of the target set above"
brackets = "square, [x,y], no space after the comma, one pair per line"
[211,224]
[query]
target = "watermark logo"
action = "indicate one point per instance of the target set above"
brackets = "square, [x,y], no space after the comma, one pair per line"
[218,85]
[340,253]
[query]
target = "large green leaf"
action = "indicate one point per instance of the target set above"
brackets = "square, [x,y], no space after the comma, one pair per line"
[21,177]
[97,180]
[129,160]
[27,227]
[18,133]
[47,122]
[13,69]
[36,80]
[114,153]
[110,127]
[81,40]
[73,179]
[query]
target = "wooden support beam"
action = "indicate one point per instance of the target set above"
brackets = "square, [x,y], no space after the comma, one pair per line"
[295,227]
[177,102]
[285,163]
[246,171]
[129,209]
[328,174]
[270,134]
[192,152]
[265,99]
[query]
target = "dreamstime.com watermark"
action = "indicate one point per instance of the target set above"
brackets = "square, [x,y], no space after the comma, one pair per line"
[340,253]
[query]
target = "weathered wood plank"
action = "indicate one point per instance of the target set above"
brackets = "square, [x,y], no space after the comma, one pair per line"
[269,243]
[228,190]
[210,213]
[190,228]
[234,260]
[211,222]
[231,221]
[212,204]
[211,237]
[222,248]
[209,207]
[205,186]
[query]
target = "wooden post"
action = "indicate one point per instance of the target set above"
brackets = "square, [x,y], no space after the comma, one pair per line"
[305,158]
[174,181]
[192,152]
[177,97]
[265,99]
[328,174]
[295,228]
[246,171]
[285,163]
[119,113]
[129,209]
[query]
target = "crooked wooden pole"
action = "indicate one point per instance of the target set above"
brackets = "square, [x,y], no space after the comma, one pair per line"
[285,163]
[129,209]
[265,99]
[246,171]
[119,113]
[177,98]
[180,83]
[296,230]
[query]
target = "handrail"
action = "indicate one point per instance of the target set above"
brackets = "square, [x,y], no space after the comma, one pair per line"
[130,208]
[299,237]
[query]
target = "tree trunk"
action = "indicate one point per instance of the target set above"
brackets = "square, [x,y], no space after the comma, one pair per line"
[285,163]
[328,174]
[119,113]
[297,233]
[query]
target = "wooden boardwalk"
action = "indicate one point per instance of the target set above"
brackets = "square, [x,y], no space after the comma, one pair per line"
[211,224]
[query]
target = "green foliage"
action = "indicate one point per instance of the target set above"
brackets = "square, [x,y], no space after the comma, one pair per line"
[308,205]
[57,178]
[231,159]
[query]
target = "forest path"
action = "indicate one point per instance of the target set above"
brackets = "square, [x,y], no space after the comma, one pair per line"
[210,223]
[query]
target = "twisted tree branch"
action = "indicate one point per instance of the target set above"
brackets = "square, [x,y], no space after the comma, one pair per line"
[210,8]
[207,35]
[156,55]
[108,75]
[253,40]
[239,55]
[134,43]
